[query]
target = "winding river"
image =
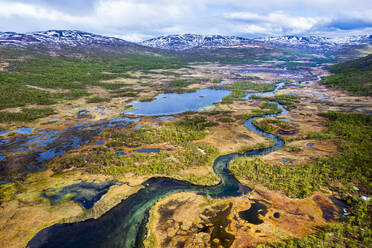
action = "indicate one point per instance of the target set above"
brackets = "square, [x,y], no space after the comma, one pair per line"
[125,224]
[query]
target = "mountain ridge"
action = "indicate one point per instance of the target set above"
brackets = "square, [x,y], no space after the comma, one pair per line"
[189,41]
[56,39]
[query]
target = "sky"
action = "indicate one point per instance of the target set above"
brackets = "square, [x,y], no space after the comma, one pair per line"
[137,20]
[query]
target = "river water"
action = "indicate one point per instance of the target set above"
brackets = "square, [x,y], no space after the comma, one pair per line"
[125,224]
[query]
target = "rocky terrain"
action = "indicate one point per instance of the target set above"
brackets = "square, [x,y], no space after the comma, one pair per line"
[189,41]
[179,42]
[57,39]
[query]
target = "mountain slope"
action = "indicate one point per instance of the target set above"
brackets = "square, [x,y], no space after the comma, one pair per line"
[314,43]
[317,42]
[354,76]
[58,39]
[188,41]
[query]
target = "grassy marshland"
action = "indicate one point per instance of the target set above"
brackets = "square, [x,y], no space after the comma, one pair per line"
[353,231]
[180,134]
[265,108]
[288,101]
[192,128]
[270,125]
[238,90]
[353,134]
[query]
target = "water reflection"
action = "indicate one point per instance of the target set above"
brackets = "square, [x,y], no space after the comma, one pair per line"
[173,103]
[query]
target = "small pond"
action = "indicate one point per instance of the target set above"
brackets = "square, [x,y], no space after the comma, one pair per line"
[147,150]
[252,214]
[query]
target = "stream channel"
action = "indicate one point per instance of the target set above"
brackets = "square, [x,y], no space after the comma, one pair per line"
[125,224]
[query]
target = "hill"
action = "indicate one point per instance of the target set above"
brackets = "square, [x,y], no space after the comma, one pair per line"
[189,41]
[354,76]
[181,42]
[68,40]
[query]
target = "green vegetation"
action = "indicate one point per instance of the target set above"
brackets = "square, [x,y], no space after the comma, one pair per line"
[179,90]
[162,163]
[15,95]
[27,81]
[238,89]
[217,112]
[104,161]
[354,76]
[175,133]
[288,101]
[178,86]
[124,94]
[216,80]
[294,149]
[270,125]
[264,109]
[227,99]
[209,179]
[246,85]
[353,133]
[295,181]
[196,123]
[226,119]
[26,115]
[179,83]
[270,143]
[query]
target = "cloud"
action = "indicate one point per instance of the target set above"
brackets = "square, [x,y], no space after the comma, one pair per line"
[352,20]
[70,6]
[275,22]
[349,24]
[141,19]
[12,10]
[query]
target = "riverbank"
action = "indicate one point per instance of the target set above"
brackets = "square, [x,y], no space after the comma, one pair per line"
[231,137]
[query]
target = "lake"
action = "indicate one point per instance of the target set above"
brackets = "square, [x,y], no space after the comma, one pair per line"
[173,103]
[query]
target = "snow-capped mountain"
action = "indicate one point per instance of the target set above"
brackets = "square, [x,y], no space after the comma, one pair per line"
[317,42]
[188,41]
[58,38]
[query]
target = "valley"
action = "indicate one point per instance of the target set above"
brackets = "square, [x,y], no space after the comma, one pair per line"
[231,146]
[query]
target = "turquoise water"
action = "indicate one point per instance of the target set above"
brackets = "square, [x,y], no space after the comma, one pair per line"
[84,193]
[173,103]
[125,224]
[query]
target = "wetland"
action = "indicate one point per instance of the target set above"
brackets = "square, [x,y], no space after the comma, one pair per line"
[186,156]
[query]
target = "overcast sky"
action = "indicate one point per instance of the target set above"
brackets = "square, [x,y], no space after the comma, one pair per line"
[137,20]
